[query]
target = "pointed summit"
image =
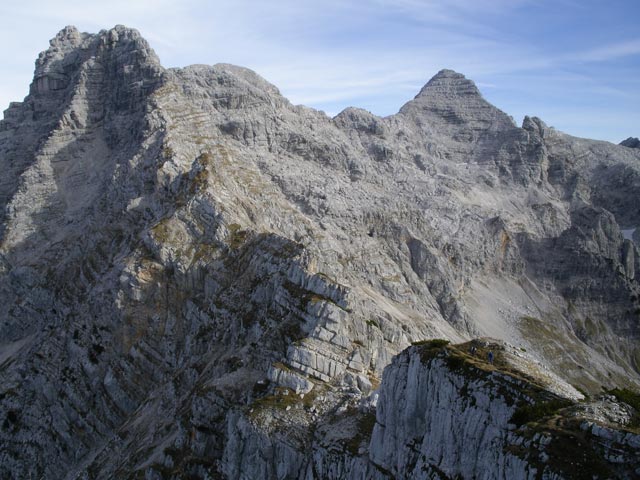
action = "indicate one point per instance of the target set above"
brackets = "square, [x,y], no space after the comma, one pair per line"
[448,83]
[69,35]
[451,101]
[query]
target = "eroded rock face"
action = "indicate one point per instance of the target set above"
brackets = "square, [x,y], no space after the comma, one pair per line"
[179,245]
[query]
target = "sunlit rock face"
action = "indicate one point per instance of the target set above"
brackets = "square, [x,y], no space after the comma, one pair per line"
[198,278]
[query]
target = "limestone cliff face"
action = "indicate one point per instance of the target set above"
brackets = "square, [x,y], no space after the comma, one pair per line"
[179,246]
[441,412]
[445,412]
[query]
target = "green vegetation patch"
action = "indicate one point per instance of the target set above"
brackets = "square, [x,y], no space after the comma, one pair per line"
[632,399]
[439,347]
[627,396]
[292,330]
[573,455]
[204,252]
[200,175]
[161,231]
[537,411]
[283,397]
[472,360]
[373,323]
[433,343]
[570,453]
[306,297]
[167,152]
[182,459]
[237,236]
[199,182]
[364,429]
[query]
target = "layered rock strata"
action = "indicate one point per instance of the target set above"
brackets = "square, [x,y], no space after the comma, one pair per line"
[179,244]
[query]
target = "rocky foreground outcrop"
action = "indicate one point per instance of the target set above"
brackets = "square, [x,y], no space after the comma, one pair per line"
[183,252]
[445,411]
[442,412]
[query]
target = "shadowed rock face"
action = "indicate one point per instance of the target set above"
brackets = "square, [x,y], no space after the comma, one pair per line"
[631,142]
[183,254]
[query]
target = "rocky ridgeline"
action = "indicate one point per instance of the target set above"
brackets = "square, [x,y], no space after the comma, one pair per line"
[199,278]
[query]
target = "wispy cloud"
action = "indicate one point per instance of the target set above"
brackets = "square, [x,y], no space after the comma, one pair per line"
[611,52]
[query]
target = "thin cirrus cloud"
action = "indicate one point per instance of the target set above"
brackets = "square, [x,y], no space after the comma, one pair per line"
[576,64]
[611,52]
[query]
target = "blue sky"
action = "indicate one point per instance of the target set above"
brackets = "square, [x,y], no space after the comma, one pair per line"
[575,64]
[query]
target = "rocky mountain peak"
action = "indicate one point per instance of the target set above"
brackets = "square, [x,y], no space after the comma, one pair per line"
[69,35]
[631,142]
[125,39]
[70,47]
[231,76]
[534,124]
[450,101]
[449,84]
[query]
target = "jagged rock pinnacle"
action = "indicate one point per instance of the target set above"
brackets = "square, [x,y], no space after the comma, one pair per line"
[69,45]
[69,35]
[631,142]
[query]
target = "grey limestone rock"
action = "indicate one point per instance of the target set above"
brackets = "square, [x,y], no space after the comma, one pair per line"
[443,411]
[190,264]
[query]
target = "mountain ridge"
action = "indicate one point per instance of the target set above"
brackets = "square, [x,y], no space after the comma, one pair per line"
[173,238]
